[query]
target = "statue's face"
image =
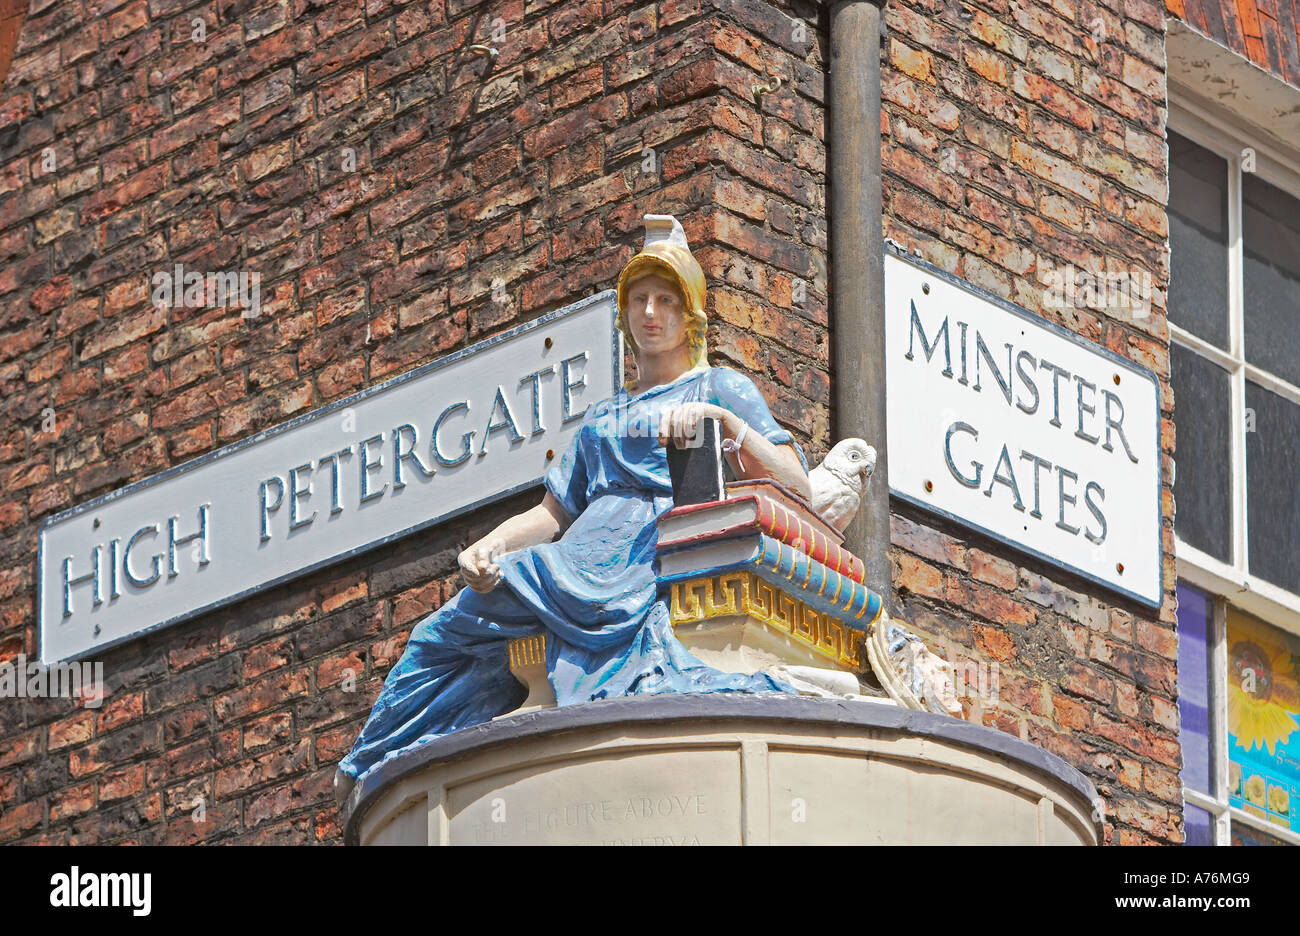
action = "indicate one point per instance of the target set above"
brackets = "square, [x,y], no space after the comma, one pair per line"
[656,314]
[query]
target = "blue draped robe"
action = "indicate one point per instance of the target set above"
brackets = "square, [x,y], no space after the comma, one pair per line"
[593,592]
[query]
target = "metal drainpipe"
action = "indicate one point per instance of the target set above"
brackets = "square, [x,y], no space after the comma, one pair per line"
[857,281]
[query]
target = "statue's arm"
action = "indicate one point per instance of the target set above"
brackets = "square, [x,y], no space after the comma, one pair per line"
[540,524]
[759,458]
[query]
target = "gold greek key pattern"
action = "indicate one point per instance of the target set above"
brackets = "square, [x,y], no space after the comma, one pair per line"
[527,651]
[746,593]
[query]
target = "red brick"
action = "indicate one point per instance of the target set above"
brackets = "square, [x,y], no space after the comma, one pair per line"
[72,801]
[17,749]
[914,62]
[1165,713]
[989,604]
[1126,699]
[274,764]
[1163,783]
[270,691]
[919,577]
[992,570]
[269,729]
[21,818]
[987,65]
[75,729]
[1160,640]
[1083,681]
[995,643]
[120,709]
[1071,713]
[122,784]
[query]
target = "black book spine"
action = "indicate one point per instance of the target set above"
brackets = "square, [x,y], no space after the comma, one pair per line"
[697,471]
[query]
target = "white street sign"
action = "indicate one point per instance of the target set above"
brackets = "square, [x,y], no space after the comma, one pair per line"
[1022,430]
[414,451]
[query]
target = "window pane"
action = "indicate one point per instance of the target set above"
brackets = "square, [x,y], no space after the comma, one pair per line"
[1243,834]
[1195,615]
[1271,238]
[1198,826]
[1263,720]
[1203,468]
[1198,240]
[1273,486]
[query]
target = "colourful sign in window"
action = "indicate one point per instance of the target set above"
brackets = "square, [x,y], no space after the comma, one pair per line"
[1263,720]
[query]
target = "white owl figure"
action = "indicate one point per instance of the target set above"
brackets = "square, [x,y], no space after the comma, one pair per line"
[838,482]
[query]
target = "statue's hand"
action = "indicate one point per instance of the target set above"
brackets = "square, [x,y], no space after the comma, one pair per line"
[680,425]
[478,565]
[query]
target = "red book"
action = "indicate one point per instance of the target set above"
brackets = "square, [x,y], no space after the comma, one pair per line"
[698,524]
[782,495]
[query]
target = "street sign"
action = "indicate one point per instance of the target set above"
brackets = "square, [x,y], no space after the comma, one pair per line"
[414,451]
[1022,430]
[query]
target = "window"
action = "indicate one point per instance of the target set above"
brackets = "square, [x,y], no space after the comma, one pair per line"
[1234,321]
[1239,724]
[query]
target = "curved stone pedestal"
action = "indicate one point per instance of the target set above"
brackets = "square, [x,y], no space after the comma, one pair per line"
[723,770]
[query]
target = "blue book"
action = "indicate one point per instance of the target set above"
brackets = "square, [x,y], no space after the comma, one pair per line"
[785,567]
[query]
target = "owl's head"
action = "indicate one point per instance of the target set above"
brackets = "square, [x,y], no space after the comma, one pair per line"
[852,457]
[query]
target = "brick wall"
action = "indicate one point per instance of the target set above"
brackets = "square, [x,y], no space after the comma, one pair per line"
[229,154]
[1020,140]
[1010,135]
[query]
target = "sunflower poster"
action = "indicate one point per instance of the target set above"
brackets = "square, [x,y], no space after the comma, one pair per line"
[1263,720]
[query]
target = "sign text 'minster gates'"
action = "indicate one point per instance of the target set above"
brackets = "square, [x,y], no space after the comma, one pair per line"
[1022,430]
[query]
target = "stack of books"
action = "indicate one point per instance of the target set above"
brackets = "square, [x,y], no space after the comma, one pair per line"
[761,527]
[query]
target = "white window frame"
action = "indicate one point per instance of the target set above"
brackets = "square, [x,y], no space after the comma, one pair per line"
[1232,582]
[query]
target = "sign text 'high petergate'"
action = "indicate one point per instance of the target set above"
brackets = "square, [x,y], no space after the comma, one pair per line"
[413,451]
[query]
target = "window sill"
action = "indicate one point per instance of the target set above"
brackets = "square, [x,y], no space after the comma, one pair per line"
[1264,600]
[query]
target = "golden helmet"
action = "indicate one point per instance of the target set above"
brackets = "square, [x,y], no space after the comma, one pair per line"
[666,253]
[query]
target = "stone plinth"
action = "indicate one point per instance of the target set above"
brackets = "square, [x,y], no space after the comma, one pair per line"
[723,769]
